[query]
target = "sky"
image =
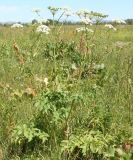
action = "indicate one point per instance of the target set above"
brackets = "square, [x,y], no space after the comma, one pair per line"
[21,10]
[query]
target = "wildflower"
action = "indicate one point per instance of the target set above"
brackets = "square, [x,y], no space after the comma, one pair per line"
[30,91]
[79,13]
[130,81]
[91,15]
[119,21]
[102,66]
[17,25]
[83,13]
[97,15]
[45,81]
[42,80]
[87,21]
[53,10]
[94,86]
[43,28]
[99,66]
[43,21]
[38,79]
[16,93]
[7,85]
[84,29]
[74,66]
[120,151]
[110,26]
[67,11]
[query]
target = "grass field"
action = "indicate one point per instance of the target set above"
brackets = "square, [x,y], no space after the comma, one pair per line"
[66,95]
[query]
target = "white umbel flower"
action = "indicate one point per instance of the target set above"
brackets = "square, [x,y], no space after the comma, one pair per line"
[83,29]
[43,21]
[99,66]
[67,11]
[53,10]
[43,28]
[86,21]
[17,25]
[83,13]
[119,21]
[46,81]
[110,26]
[42,80]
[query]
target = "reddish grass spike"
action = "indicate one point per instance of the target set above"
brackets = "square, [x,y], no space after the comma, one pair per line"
[1,153]
[19,56]
[31,91]
[128,147]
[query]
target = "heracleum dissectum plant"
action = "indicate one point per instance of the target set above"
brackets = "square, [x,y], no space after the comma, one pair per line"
[83,29]
[69,89]
[43,28]
[17,25]
[110,26]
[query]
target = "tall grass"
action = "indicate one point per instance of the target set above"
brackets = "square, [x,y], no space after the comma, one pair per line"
[86,108]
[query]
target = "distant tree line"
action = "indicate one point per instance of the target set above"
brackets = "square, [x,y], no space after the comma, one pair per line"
[34,21]
[50,22]
[129,21]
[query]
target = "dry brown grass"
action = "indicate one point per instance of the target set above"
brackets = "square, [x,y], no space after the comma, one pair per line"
[1,154]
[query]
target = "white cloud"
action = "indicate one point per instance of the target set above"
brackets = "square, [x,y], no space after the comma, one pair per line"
[8,8]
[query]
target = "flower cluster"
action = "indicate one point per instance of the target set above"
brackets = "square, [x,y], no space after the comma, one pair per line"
[83,13]
[53,10]
[98,15]
[43,28]
[110,26]
[84,29]
[119,21]
[43,21]
[99,66]
[84,16]
[86,21]
[90,17]
[66,11]
[42,80]
[17,25]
